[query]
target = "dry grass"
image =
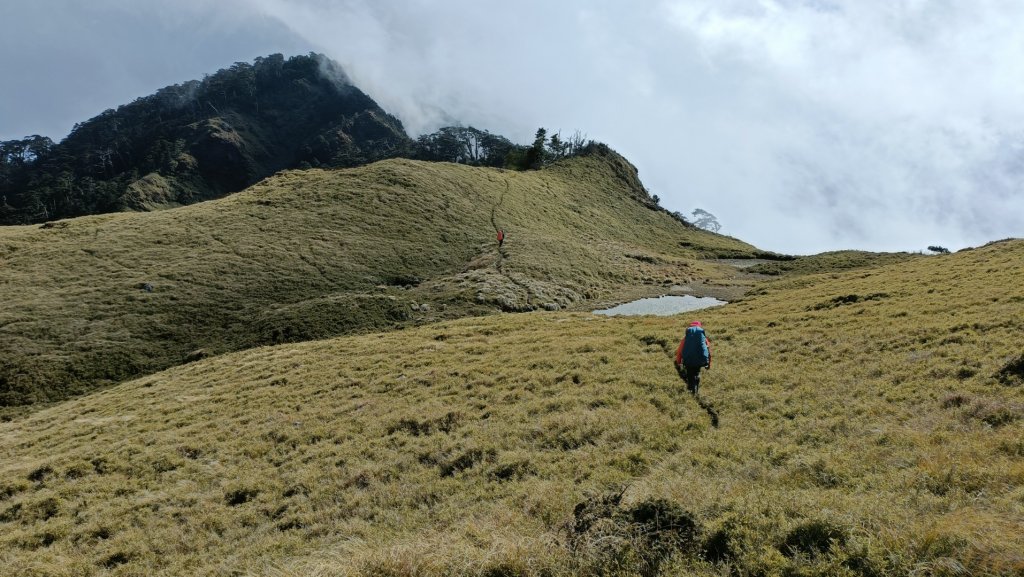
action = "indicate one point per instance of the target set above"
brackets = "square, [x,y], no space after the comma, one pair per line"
[313,254]
[867,436]
[829,262]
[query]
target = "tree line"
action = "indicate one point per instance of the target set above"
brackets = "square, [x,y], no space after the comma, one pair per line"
[468,145]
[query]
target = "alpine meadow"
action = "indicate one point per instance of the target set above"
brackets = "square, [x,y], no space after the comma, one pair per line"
[311,254]
[340,372]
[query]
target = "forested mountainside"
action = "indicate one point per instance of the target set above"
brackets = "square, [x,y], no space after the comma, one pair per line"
[199,140]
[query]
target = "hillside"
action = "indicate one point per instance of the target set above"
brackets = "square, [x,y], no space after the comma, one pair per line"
[830,262]
[871,423]
[199,140]
[314,253]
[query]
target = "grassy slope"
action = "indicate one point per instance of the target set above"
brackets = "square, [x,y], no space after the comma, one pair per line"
[831,262]
[873,436]
[316,253]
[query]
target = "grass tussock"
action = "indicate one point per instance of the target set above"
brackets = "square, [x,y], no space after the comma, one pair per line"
[312,254]
[850,443]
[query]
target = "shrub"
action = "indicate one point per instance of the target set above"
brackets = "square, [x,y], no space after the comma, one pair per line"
[606,538]
[465,461]
[718,546]
[507,471]
[115,559]
[955,400]
[995,414]
[239,496]
[39,475]
[1012,373]
[812,538]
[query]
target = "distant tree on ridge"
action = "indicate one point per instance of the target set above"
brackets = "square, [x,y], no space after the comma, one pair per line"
[705,220]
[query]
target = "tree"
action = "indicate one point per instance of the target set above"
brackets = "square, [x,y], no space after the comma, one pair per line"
[705,220]
[575,144]
[556,147]
[938,249]
[497,149]
[441,146]
[466,145]
[535,155]
[25,150]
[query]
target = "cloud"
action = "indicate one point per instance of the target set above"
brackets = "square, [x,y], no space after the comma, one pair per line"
[435,63]
[896,112]
[803,125]
[67,61]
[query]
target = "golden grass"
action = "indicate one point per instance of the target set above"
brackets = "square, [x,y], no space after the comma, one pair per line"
[828,262]
[312,254]
[873,435]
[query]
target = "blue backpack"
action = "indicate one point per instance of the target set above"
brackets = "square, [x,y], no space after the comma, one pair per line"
[695,349]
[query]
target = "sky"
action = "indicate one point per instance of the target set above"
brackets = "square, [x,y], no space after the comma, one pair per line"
[802,125]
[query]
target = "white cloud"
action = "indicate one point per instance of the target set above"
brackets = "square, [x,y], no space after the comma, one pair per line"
[67,60]
[891,108]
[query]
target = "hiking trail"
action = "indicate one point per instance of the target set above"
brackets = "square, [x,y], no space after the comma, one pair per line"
[702,402]
[495,207]
[494,225]
[709,408]
[500,263]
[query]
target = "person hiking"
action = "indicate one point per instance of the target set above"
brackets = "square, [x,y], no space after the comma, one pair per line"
[694,353]
[501,237]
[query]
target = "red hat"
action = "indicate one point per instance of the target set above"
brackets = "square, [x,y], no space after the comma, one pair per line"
[695,324]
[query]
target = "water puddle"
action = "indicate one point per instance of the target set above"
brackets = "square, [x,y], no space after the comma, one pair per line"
[662,306]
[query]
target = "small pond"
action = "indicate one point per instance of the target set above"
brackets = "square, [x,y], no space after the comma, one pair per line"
[662,306]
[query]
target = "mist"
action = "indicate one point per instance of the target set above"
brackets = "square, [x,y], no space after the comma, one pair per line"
[804,126]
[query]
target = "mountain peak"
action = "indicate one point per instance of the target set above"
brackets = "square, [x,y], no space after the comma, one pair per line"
[201,139]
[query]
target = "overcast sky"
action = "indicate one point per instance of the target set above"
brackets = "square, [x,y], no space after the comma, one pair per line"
[803,125]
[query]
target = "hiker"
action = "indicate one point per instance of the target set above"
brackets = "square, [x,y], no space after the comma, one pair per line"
[501,237]
[694,352]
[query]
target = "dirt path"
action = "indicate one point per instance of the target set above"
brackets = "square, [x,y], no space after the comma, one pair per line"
[495,207]
[710,410]
[500,262]
[702,402]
